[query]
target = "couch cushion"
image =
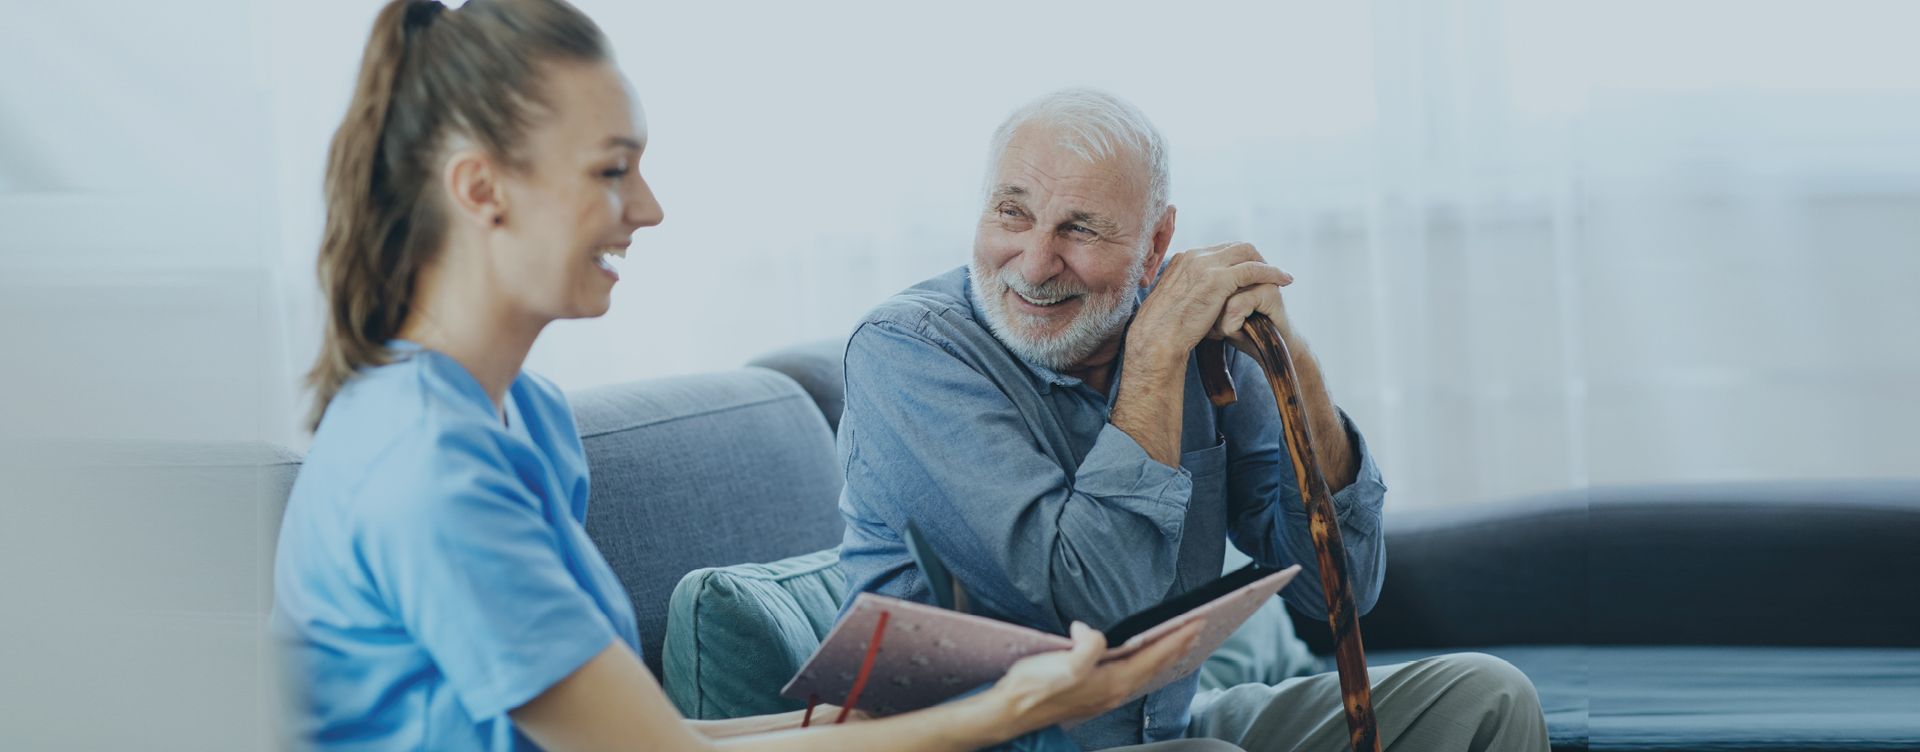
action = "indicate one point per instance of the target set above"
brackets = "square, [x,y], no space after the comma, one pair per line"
[703,471]
[1718,698]
[735,635]
[1559,674]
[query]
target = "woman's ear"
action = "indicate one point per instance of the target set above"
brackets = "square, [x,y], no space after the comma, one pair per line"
[474,190]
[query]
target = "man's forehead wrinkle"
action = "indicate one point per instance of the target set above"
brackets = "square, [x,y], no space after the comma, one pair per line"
[1019,182]
[1020,160]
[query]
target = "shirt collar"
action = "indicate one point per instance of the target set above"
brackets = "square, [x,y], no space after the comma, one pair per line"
[456,374]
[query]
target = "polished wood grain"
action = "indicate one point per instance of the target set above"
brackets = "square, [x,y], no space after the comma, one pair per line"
[1270,350]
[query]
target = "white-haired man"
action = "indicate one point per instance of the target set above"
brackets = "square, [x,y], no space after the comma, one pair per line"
[1039,415]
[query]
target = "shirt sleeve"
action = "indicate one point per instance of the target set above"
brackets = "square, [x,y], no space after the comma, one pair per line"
[1030,539]
[1266,519]
[468,558]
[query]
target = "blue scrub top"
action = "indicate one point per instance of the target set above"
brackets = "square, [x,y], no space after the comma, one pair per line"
[433,572]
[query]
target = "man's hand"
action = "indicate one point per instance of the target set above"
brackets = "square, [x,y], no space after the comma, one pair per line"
[1206,293]
[1235,275]
[1203,293]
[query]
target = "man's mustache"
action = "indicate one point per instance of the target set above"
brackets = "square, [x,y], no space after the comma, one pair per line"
[1053,289]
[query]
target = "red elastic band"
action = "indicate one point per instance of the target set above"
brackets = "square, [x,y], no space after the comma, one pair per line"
[866,667]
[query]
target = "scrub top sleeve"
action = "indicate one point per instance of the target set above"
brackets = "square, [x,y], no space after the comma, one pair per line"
[462,552]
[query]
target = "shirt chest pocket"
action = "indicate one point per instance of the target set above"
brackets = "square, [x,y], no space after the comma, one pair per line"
[1210,462]
[1203,541]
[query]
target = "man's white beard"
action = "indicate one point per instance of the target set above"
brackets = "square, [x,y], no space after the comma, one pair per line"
[1100,318]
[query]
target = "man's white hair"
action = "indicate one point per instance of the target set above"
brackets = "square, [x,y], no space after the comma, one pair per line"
[1094,125]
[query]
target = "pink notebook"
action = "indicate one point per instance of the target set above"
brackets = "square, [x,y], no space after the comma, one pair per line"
[928,655]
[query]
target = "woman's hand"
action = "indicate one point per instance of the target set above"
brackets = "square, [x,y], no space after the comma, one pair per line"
[1073,685]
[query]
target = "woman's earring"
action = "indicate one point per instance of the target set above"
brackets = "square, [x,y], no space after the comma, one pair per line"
[497,220]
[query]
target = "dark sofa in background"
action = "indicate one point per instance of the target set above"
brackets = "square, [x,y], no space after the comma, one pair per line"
[1776,616]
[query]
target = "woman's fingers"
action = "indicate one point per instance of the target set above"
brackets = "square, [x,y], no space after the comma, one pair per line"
[1088,645]
[1136,670]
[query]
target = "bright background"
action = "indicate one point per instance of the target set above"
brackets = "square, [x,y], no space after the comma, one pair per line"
[1540,245]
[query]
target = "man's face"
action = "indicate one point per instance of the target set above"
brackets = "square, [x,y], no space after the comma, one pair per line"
[1060,249]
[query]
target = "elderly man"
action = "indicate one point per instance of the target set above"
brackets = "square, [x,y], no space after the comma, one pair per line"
[1038,413]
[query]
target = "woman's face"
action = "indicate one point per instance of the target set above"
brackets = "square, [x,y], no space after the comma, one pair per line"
[571,209]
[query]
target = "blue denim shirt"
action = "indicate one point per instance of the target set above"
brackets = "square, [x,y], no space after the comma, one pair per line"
[1045,510]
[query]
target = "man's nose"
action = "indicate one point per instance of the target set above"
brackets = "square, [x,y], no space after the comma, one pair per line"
[1039,260]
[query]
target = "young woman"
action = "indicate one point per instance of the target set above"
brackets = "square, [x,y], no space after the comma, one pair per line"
[434,587]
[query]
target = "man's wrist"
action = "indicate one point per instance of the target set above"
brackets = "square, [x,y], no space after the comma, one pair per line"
[1152,381]
[1150,358]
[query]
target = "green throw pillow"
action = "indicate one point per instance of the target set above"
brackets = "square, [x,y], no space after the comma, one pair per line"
[736,634]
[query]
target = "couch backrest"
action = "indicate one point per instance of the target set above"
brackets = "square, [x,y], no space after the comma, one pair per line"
[1789,563]
[1828,563]
[704,471]
[1493,574]
[818,367]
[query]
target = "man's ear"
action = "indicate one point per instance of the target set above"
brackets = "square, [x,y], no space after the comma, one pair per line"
[1157,252]
[474,190]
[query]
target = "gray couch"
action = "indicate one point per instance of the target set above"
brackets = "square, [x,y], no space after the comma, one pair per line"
[704,471]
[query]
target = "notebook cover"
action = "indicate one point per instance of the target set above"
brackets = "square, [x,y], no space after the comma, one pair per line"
[929,655]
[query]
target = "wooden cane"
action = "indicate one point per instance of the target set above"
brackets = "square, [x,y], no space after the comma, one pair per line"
[1355,692]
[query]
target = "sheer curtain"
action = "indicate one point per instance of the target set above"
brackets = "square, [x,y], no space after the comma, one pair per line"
[1635,244]
[1540,245]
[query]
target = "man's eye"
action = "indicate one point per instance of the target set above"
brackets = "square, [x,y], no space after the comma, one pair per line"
[614,173]
[1009,212]
[1081,230]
